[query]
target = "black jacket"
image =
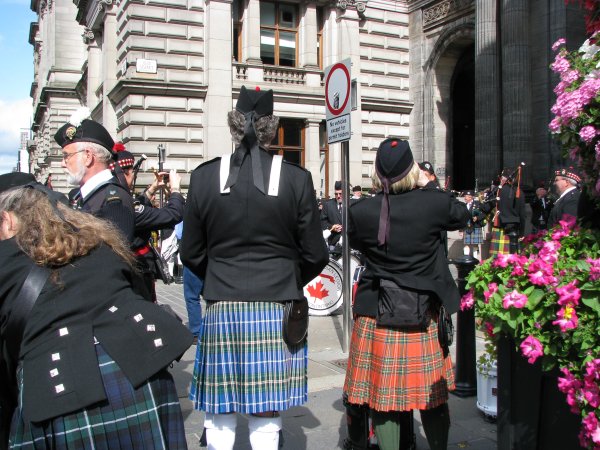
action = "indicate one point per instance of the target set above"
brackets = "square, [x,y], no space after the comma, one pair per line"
[91,298]
[540,212]
[511,208]
[567,204]
[148,218]
[248,246]
[331,215]
[414,256]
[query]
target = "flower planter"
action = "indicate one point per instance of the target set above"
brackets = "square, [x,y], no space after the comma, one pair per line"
[487,390]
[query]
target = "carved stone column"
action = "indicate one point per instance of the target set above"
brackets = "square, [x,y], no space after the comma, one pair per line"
[312,154]
[109,65]
[94,65]
[251,33]
[218,97]
[488,149]
[308,35]
[516,82]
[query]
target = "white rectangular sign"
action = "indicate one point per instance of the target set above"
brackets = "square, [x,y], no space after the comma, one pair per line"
[146,65]
[338,129]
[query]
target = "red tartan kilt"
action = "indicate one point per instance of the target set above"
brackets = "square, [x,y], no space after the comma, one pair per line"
[392,370]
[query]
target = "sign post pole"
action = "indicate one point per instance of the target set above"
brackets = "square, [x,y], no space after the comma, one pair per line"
[338,102]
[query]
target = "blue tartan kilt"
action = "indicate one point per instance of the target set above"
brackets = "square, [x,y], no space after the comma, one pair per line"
[242,363]
[473,238]
[148,417]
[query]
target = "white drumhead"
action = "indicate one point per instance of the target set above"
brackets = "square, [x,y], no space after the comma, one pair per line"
[324,292]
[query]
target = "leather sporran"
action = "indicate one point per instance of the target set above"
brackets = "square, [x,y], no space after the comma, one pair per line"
[295,322]
[445,330]
[401,307]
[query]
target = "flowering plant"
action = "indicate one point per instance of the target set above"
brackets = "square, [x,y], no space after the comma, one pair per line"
[547,299]
[577,108]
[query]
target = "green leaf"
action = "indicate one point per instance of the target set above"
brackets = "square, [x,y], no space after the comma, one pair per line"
[534,298]
[593,303]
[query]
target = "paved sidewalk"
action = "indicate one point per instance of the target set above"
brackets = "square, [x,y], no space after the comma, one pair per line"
[321,424]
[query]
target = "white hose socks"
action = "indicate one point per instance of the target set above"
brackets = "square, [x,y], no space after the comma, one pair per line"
[220,430]
[264,432]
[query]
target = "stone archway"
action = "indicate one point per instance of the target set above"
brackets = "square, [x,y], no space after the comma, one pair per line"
[437,101]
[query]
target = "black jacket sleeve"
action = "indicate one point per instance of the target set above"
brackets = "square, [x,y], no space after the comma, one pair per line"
[149,218]
[193,250]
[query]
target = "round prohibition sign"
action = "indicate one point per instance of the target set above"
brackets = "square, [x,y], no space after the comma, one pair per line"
[340,77]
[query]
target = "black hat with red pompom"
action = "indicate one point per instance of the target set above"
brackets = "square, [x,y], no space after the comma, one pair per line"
[122,157]
[568,172]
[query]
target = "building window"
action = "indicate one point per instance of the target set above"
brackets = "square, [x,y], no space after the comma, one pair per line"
[279,34]
[236,51]
[289,141]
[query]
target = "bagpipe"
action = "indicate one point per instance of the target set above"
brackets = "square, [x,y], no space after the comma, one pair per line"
[492,198]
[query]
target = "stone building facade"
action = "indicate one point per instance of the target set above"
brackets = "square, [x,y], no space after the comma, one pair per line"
[468,81]
[168,71]
[482,88]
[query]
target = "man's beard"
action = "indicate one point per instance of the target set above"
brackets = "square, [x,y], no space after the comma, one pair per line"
[74,179]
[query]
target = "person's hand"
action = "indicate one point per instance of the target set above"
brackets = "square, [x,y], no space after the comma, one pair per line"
[423,179]
[174,181]
[337,228]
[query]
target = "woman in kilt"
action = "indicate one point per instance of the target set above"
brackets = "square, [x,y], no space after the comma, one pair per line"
[90,371]
[255,249]
[394,368]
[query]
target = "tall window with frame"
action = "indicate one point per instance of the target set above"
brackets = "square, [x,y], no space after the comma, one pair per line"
[324,163]
[289,141]
[236,41]
[279,34]
[320,26]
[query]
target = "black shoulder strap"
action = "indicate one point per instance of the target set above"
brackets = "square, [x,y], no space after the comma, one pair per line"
[22,306]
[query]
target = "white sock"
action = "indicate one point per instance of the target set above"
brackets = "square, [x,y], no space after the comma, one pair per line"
[220,431]
[264,432]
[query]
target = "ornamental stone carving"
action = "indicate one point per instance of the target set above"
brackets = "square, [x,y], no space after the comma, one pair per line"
[88,35]
[442,10]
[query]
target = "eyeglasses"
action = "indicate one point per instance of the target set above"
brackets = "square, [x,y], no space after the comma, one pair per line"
[338,194]
[66,156]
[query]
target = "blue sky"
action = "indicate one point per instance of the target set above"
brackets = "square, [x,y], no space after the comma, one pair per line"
[16,76]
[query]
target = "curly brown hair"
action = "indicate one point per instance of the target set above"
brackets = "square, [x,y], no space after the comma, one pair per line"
[51,241]
[266,127]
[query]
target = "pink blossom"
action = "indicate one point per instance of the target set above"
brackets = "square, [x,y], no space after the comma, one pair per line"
[594,268]
[560,64]
[560,87]
[467,301]
[532,349]
[560,233]
[590,430]
[515,299]
[587,133]
[568,222]
[592,369]
[492,289]
[569,293]
[558,44]
[541,273]
[569,382]
[489,329]
[569,76]
[554,125]
[501,260]
[510,284]
[567,318]
[591,393]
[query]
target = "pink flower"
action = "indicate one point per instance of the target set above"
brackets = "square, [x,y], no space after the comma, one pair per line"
[569,382]
[492,289]
[560,233]
[569,76]
[541,273]
[467,301]
[515,299]
[590,429]
[568,222]
[594,268]
[501,260]
[489,329]
[567,318]
[558,44]
[587,133]
[569,293]
[560,64]
[555,125]
[591,393]
[532,349]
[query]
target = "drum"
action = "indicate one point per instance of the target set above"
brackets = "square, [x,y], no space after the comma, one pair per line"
[324,292]
[355,261]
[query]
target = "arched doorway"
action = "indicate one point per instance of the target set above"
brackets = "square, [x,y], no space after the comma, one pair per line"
[463,121]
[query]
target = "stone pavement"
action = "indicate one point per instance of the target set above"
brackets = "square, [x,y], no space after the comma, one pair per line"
[320,424]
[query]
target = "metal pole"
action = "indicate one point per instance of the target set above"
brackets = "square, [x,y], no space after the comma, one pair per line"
[346,277]
[466,375]
[161,160]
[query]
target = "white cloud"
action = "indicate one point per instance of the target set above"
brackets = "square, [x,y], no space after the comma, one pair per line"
[14,116]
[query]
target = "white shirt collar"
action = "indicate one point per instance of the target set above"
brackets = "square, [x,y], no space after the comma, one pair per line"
[95,181]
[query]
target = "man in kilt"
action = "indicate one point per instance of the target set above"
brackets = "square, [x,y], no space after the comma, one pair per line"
[252,232]
[473,234]
[510,214]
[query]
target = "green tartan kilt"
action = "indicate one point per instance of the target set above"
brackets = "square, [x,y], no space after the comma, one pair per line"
[499,243]
[148,417]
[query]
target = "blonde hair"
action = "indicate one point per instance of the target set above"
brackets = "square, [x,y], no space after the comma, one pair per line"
[266,127]
[51,241]
[408,183]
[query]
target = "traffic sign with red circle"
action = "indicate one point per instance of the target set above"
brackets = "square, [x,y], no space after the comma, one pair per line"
[337,89]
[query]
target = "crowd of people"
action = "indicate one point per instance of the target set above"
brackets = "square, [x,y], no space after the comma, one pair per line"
[85,346]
